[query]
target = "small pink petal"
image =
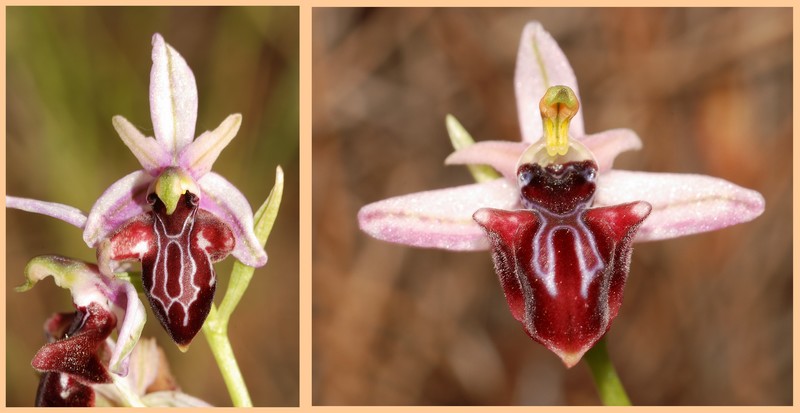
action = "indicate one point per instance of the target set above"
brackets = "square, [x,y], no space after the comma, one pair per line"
[541,64]
[151,155]
[63,212]
[173,97]
[500,155]
[200,155]
[222,199]
[503,155]
[122,201]
[683,204]
[607,145]
[440,218]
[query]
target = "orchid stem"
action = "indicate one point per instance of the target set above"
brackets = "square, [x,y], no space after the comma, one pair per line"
[217,336]
[610,388]
[216,326]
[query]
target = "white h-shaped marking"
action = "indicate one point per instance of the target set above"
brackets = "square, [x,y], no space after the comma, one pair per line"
[181,240]
[589,261]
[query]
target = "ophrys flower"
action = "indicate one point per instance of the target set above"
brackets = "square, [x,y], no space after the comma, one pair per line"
[174,215]
[681,204]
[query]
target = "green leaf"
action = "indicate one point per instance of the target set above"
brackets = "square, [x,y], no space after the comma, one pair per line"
[460,139]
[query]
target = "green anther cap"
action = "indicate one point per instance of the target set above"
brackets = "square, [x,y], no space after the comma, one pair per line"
[171,184]
[558,106]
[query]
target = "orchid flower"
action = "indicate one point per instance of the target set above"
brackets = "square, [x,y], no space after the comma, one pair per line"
[175,215]
[71,362]
[560,221]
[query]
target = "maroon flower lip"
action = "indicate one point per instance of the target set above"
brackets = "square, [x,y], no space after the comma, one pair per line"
[70,362]
[177,252]
[562,264]
[563,276]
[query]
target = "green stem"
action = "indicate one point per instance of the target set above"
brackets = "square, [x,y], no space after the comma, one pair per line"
[216,326]
[605,377]
[217,335]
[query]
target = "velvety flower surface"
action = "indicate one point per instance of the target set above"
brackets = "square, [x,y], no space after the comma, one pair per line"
[175,215]
[71,360]
[70,363]
[545,257]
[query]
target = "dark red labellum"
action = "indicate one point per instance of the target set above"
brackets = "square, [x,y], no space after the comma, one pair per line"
[70,362]
[62,390]
[562,265]
[177,252]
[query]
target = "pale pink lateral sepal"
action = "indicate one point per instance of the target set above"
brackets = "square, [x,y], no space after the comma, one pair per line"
[87,285]
[541,64]
[151,155]
[437,219]
[122,201]
[503,155]
[173,97]
[198,157]
[225,201]
[66,213]
[683,204]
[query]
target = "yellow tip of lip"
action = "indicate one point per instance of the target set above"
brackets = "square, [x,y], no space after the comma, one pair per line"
[182,348]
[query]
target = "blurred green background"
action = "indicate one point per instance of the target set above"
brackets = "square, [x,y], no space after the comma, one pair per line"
[707,319]
[69,70]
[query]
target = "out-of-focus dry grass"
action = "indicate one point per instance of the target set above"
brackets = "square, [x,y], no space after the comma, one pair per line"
[69,71]
[706,318]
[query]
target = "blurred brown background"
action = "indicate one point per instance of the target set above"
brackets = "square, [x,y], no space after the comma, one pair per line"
[706,318]
[69,71]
